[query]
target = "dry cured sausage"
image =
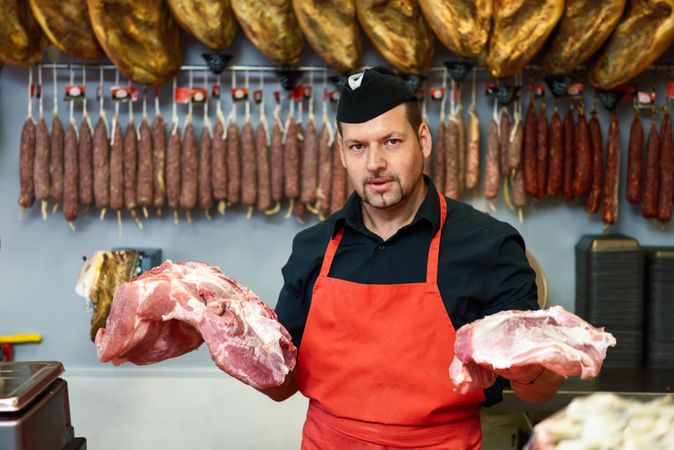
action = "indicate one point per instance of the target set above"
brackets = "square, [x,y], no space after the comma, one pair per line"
[529,154]
[188,170]
[205,185]
[264,201]
[556,163]
[635,160]
[650,197]
[248,165]
[145,188]
[233,165]
[159,161]
[593,199]
[309,162]
[666,172]
[70,174]
[56,161]
[492,160]
[101,163]
[26,164]
[173,171]
[609,213]
[542,151]
[583,178]
[324,167]
[85,164]
[569,154]
[219,164]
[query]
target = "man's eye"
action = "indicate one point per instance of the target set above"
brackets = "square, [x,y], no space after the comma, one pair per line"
[394,141]
[356,146]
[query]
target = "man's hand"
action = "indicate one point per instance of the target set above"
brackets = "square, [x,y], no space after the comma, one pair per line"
[284,391]
[532,383]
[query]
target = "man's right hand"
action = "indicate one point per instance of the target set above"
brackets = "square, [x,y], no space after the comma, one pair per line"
[284,391]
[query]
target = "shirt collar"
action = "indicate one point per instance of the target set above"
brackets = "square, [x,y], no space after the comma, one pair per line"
[429,211]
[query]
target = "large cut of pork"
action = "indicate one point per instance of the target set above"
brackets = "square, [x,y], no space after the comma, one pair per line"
[554,338]
[174,308]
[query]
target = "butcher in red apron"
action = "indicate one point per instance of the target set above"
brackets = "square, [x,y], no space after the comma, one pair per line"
[374,358]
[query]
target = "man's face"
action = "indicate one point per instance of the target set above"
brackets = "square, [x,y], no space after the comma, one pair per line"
[384,157]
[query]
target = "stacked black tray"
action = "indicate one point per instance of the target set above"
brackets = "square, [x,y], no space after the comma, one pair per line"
[610,293]
[659,322]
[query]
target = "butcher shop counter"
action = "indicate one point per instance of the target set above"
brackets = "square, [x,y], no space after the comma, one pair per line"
[644,384]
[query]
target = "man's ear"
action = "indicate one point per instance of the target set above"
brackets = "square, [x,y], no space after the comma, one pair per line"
[425,140]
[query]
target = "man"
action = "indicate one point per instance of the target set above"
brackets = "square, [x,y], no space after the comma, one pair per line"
[373,295]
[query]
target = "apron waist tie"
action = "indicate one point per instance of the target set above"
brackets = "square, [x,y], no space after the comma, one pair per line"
[449,435]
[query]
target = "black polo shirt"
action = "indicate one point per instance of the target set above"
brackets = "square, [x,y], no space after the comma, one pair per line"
[483,268]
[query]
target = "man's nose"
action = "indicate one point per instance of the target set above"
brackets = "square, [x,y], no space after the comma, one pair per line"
[376,159]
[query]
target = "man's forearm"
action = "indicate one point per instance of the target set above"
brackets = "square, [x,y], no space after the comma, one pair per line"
[284,391]
[541,390]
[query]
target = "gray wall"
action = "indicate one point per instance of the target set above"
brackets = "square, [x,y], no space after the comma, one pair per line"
[40,260]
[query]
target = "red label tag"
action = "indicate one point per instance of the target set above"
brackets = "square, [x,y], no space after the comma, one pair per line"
[257,96]
[239,94]
[215,91]
[646,99]
[35,91]
[628,90]
[307,92]
[576,89]
[74,92]
[539,90]
[437,93]
[298,93]
[124,93]
[421,94]
[277,97]
[332,95]
[195,95]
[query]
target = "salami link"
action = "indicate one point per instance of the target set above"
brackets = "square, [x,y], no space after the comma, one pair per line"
[188,170]
[101,163]
[650,197]
[27,164]
[439,156]
[41,165]
[277,169]
[159,161]
[86,166]
[473,149]
[666,172]
[452,186]
[264,202]
[70,174]
[529,155]
[556,163]
[248,165]
[56,161]
[338,187]
[492,161]
[635,160]
[542,151]
[173,157]
[117,168]
[130,166]
[594,197]
[145,190]
[609,213]
[514,150]
[219,162]
[205,185]
[504,141]
[461,139]
[324,168]
[309,172]
[569,154]
[233,165]
[291,161]
[519,197]
[582,181]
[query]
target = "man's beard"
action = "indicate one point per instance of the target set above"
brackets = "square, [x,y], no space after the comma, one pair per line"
[387,199]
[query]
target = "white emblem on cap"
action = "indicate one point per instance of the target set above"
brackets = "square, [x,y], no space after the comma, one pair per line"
[355,80]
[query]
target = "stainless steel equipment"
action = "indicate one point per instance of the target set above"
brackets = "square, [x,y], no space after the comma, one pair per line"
[34,408]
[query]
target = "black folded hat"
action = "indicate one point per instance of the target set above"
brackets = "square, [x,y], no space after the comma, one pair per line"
[370,93]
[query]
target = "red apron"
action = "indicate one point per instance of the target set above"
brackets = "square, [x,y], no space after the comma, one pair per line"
[374,362]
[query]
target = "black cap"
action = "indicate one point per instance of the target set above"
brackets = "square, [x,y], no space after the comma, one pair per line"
[370,93]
